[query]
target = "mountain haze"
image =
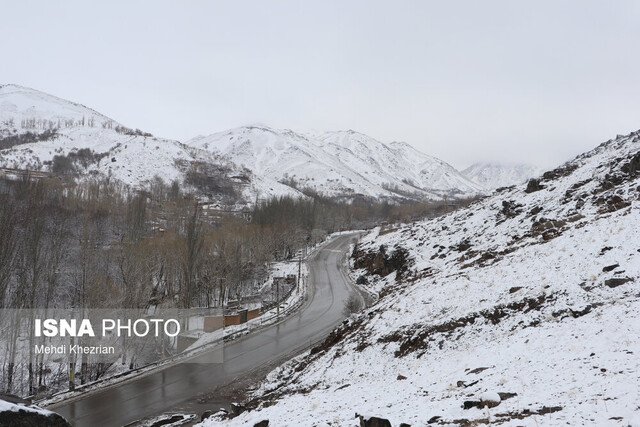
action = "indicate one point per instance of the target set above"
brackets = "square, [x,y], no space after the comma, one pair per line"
[495,175]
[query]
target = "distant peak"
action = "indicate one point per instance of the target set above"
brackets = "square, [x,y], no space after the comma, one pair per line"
[257,125]
[38,104]
[21,88]
[6,86]
[400,144]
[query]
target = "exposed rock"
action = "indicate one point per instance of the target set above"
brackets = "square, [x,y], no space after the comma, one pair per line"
[366,421]
[514,289]
[477,370]
[31,419]
[575,217]
[533,185]
[579,313]
[511,209]
[362,280]
[535,210]
[610,268]
[468,404]
[550,234]
[263,423]
[463,246]
[571,191]
[464,384]
[633,167]
[401,377]
[501,418]
[617,281]
[382,263]
[488,399]
[549,409]
[206,414]
[560,172]
[544,224]
[176,419]
[237,409]
[611,204]
[507,395]
[24,415]
[24,418]
[482,260]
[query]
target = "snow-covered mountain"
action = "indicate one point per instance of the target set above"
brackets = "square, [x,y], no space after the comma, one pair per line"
[494,175]
[35,127]
[522,309]
[259,162]
[336,164]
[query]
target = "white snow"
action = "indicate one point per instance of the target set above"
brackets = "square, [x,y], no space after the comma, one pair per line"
[18,103]
[14,407]
[490,396]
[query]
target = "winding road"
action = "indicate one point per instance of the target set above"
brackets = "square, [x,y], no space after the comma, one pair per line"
[177,385]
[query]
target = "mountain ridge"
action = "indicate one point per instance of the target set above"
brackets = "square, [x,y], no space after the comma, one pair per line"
[35,127]
[339,162]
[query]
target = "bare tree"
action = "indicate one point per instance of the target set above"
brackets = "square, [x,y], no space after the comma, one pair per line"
[8,223]
[192,256]
[352,305]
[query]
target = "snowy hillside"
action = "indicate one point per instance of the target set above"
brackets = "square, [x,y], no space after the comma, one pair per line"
[345,163]
[23,109]
[493,175]
[522,309]
[35,127]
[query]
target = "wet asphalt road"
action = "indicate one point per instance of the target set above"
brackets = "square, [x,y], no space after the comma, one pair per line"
[177,385]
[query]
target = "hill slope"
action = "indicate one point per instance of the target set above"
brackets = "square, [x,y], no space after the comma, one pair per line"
[23,109]
[337,164]
[527,300]
[35,127]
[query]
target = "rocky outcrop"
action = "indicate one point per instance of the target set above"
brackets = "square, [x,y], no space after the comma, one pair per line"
[28,418]
[366,421]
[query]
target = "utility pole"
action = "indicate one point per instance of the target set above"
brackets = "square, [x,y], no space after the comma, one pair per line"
[299,267]
[278,297]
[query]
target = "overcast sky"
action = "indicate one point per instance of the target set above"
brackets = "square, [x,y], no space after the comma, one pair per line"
[466,81]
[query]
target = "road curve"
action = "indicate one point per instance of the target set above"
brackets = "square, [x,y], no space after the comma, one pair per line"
[173,386]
